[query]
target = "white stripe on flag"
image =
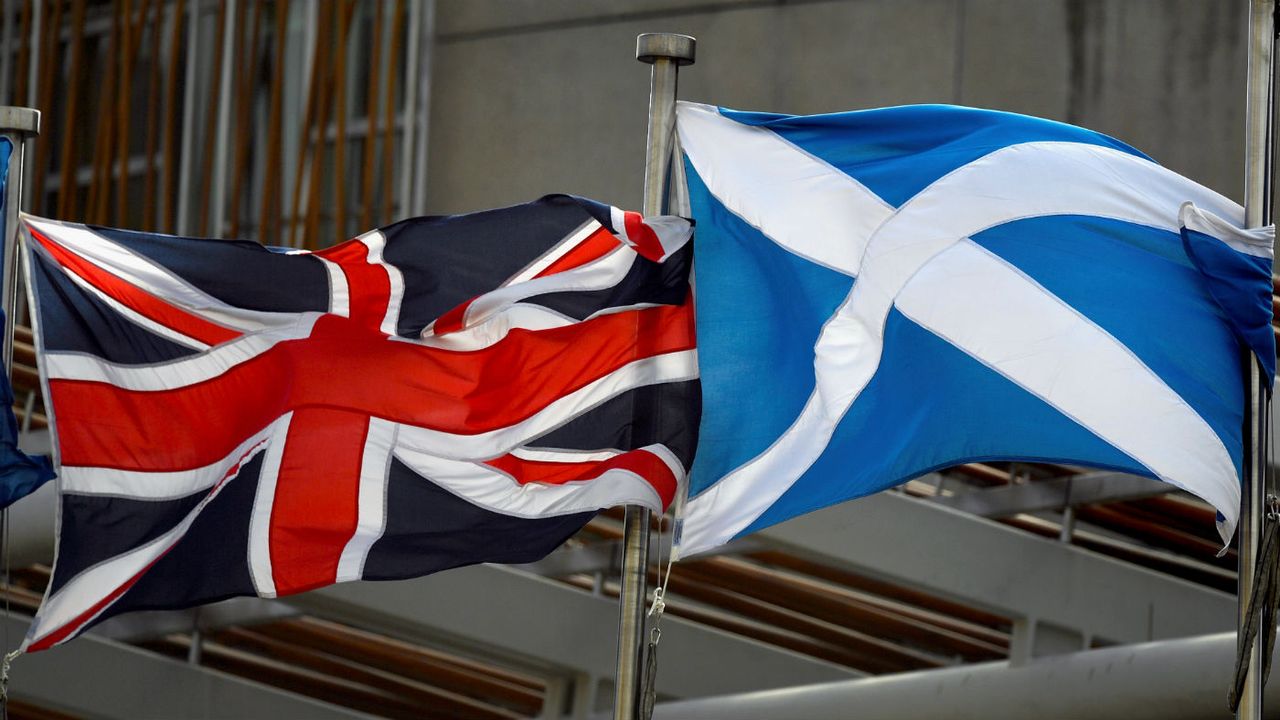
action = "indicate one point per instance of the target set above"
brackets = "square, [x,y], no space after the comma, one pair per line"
[372,500]
[671,367]
[260,570]
[596,275]
[560,250]
[141,485]
[1015,182]
[179,373]
[492,490]
[339,290]
[799,201]
[517,316]
[1014,326]
[92,586]
[129,313]
[156,280]
[1258,242]
[376,242]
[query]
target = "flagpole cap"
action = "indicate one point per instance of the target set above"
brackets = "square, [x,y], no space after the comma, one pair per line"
[19,120]
[652,46]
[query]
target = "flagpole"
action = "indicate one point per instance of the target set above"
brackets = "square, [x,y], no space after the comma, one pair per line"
[666,52]
[17,124]
[1258,163]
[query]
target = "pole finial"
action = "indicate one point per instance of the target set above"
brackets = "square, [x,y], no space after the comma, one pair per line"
[21,120]
[651,46]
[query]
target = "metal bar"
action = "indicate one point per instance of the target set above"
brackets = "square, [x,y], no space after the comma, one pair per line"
[341,72]
[389,117]
[33,47]
[371,116]
[109,675]
[665,52]
[1257,200]
[7,50]
[555,626]
[170,96]
[309,151]
[411,72]
[1055,493]
[418,205]
[66,187]
[919,544]
[1133,682]
[187,168]
[17,124]
[33,72]
[218,185]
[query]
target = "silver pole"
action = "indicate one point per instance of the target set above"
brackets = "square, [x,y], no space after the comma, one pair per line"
[17,124]
[424,58]
[187,168]
[7,47]
[412,69]
[665,52]
[1257,201]
[218,185]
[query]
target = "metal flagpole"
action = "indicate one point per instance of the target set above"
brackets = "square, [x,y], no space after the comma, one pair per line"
[17,124]
[666,52]
[1258,170]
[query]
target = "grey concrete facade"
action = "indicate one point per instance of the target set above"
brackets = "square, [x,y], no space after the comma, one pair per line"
[538,96]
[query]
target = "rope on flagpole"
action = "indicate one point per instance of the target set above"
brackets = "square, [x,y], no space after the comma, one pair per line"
[665,52]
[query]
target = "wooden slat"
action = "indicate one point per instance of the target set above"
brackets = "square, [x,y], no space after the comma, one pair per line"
[389,118]
[71,118]
[517,692]
[371,114]
[421,695]
[168,187]
[269,215]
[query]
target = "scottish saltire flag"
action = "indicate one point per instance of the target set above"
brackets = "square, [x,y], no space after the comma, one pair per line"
[889,292]
[440,392]
[20,474]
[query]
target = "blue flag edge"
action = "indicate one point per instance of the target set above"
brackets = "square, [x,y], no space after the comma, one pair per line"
[20,474]
[1235,266]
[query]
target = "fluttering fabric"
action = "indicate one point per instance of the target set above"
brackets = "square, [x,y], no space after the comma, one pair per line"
[889,292]
[439,392]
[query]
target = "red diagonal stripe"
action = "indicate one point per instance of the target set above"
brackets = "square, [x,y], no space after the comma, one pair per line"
[345,366]
[368,285]
[451,321]
[136,299]
[646,240]
[641,462]
[595,246]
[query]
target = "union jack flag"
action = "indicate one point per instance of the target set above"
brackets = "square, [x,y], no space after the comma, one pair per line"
[444,391]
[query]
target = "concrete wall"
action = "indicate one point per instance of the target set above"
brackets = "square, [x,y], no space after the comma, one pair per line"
[538,96]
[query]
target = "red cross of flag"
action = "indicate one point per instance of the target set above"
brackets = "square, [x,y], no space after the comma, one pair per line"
[444,391]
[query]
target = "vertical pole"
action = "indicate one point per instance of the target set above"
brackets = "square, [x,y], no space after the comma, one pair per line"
[188,166]
[665,52]
[8,48]
[17,124]
[1258,168]
[218,187]
[412,69]
[418,202]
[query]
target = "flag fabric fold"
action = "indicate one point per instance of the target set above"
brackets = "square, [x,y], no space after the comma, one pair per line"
[20,474]
[440,392]
[888,292]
